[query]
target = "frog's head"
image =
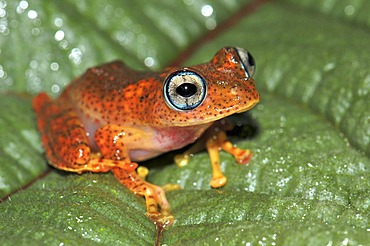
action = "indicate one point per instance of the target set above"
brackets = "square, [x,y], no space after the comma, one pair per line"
[207,92]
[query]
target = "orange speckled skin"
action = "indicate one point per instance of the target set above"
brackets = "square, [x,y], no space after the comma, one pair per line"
[115,94]
[112,116]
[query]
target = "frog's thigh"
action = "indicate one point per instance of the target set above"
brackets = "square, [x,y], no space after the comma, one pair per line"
[63,135]
[115,142]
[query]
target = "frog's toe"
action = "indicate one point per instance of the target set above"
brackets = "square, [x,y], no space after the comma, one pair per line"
[218,182]
[142,172]
[244,156]
[182,160]
[171,187]
[161,220]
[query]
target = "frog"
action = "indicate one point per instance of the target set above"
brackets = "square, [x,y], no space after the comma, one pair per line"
[113,117]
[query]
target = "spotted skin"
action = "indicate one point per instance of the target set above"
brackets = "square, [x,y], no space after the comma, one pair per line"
[112,117]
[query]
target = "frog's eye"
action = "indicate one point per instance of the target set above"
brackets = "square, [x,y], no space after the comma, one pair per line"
[247,60]
[184,90]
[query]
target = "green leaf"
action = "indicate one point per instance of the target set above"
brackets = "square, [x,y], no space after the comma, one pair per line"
[20,148]
[66,37]
[308,182]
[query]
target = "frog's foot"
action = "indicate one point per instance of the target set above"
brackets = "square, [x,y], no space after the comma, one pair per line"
[214,144]
[161,220]
[157,206]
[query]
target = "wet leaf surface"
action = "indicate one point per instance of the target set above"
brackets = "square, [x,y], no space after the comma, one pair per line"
[308,182]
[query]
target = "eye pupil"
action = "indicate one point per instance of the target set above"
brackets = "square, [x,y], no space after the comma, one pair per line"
[186,90]
[251,60]
[247,61]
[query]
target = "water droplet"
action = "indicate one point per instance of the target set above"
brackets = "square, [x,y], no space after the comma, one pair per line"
[349,10]
[23,5]
[207,10]
[54,66]
[36,31]
[188,2]
[2,4]
[149,61]
[141,38]
[4,30]
[58,22]
[329,66]
[32,14]
[59,35]
[122,38]
[2,12]
[2,73]
[64,44]
[76,55]
[34,64]
[211,24]
[345,241]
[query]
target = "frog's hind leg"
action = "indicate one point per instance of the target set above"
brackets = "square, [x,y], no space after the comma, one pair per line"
[65,141]
[112,141]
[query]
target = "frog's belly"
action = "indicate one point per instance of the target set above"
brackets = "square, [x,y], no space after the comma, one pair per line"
[142,155]
[154,141]
[167,139]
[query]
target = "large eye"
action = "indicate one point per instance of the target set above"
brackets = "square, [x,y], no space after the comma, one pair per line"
[247,61]
[184,90]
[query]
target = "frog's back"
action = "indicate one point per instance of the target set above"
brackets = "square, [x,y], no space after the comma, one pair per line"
[107,77]
[109,94]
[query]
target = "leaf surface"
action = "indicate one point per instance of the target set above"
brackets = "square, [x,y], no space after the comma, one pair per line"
[308,182]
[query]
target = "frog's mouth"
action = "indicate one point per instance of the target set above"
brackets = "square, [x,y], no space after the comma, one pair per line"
[243,110]
[246,108]
[227,112]
[206,118]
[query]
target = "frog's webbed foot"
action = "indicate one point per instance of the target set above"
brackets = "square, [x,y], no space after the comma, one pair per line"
[157,206]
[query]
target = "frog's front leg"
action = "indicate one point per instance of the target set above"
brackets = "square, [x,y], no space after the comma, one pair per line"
[215,139]
[115,143]
[213,145]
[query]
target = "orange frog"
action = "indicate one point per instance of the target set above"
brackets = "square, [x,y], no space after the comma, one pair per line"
[112,117]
